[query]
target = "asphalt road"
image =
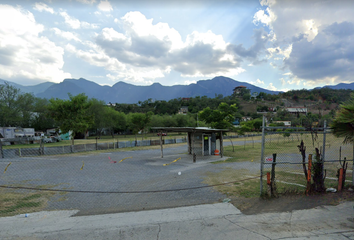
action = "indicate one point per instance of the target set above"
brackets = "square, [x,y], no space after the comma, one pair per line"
[141,171]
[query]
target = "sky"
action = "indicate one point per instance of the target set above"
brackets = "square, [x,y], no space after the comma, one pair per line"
[273,44]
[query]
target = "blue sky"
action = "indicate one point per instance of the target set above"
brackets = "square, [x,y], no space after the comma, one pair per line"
[273,44]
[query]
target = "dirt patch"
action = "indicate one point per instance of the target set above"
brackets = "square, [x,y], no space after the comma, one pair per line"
[290,202]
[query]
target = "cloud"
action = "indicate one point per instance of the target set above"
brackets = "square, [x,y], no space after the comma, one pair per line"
[313,39]
[24,53]
[254,52]
[105,6]
[67,35]
[75,23]
[43,7]
[145,46]
[87,1]
[330,54]
[271,87]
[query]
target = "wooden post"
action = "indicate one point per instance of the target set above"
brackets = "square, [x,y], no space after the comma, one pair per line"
[273,185]
[96,144]
[161,144]
[340,179]
[269,187]
[308,188]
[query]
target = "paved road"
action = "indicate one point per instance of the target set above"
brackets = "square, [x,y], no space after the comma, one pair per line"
[144,171]
[211,221]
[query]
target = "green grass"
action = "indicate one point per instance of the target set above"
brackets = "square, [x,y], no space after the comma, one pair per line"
[13,203]
[247,189]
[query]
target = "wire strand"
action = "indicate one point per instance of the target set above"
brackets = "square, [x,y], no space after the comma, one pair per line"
[148,191]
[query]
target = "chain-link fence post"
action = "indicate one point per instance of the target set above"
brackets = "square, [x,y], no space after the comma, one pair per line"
[324,145]
[1,152]
[353,167]
[262,156]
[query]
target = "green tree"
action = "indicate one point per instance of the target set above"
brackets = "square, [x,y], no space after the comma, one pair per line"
[73,114]
[220,118]
[41,119]
[343,123]
[16,108]
[138,121]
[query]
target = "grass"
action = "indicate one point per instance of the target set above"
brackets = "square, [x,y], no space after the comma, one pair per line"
[247,189]
[13,203]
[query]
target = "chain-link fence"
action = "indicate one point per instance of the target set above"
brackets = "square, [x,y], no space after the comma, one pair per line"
[105,176]
[287,150]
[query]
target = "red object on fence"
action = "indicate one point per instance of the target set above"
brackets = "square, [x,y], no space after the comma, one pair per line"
[268,178]
[340,180]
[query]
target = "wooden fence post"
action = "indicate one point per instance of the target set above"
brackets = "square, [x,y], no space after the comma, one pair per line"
[273,185]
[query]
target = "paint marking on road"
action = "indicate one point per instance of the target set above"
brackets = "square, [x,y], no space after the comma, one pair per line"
[7,167]
[166,164]
[124,159]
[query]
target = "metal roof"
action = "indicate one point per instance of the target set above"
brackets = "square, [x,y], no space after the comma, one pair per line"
[189,129]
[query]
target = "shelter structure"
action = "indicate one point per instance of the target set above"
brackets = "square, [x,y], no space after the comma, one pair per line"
[201,141]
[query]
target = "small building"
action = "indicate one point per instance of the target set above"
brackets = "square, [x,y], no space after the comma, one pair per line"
[201,141]
[237,90]
[183,110]
[297,110]
[286,123]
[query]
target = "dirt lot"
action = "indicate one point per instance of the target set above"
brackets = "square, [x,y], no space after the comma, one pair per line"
[290,202]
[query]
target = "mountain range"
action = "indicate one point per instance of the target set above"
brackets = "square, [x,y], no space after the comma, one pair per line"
[122,92]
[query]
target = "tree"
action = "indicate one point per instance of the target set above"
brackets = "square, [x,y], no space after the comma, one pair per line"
[221,118]
[16,108]
[138,121]
[73,114]
[343,123]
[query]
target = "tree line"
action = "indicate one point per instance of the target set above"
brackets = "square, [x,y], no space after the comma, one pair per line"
[79,113]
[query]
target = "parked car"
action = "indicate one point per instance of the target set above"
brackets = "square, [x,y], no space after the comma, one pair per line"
[163,134]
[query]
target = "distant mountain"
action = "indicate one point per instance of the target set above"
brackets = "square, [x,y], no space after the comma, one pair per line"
[122,92]
[36,89]
[340,86]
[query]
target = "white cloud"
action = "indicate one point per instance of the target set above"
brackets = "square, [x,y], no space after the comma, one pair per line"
[271,87]
[145,46]
[259,82]
[23,53]
[266,17]
[43,7]
[87,1]
[75,23]
[67,35]
[105,6]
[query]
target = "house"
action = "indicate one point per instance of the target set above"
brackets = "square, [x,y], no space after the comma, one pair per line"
[245,119]
[286,123]
[237,90]
[183,110]
[297,110]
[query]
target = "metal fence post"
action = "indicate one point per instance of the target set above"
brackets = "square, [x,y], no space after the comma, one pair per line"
[324,145]
[262,157]
[1,152]
[353,167]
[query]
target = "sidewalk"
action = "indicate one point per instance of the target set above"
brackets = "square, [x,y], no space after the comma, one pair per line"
[212,221]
